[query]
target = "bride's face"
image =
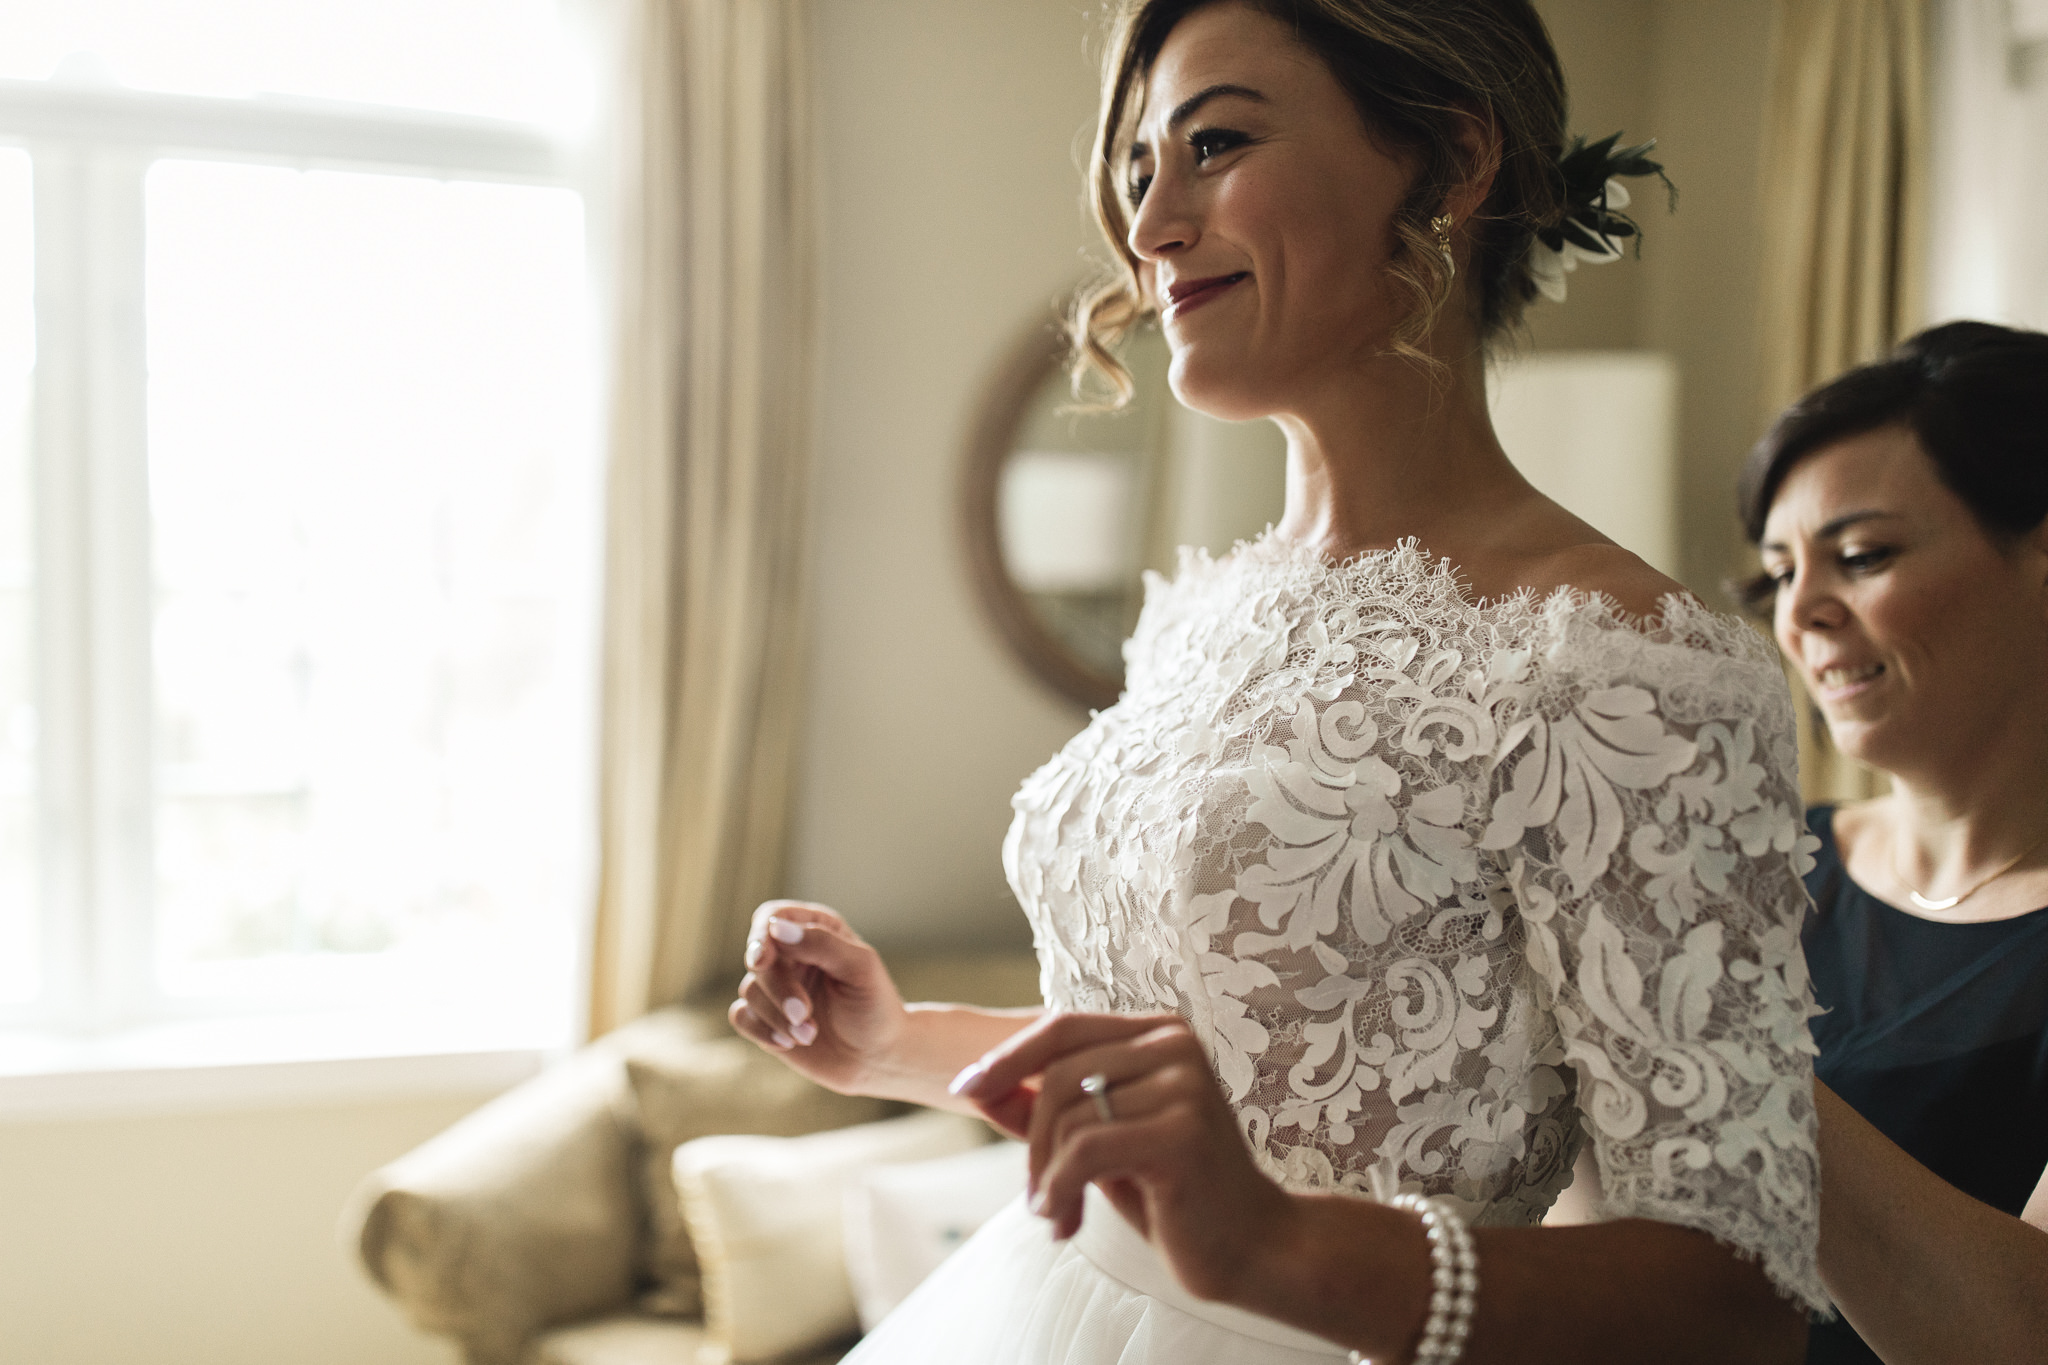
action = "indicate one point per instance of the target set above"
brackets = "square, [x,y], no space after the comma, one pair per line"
[1262,216]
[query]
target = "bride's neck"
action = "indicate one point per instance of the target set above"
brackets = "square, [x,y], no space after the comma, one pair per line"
[1394,451]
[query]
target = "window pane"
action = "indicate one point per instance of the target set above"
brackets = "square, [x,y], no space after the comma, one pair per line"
[499,58]
[20,904]
[372,487]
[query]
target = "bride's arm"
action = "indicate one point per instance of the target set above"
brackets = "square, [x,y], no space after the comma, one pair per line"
[1923,1272]
[818,996]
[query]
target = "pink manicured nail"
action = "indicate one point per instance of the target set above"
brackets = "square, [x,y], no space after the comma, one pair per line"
[784,1041]
[806,1033]
[754,950]
[795,1010]
[786,930]
[968,1081]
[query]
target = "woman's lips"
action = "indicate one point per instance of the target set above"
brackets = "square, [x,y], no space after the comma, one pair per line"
[1182,299]
[1842,681]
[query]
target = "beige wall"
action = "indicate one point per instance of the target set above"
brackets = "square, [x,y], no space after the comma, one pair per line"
[201,1239]
[1710,64]
[1693,76]
[953,219]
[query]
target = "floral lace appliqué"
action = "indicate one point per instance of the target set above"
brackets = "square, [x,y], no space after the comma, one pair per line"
[1449,889]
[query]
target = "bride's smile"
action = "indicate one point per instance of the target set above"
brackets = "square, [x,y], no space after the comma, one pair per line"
[1262,213]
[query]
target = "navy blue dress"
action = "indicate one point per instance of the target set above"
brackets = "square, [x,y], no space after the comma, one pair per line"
[1937,1034]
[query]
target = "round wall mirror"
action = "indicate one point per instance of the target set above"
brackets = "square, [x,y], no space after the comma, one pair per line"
[1066,510]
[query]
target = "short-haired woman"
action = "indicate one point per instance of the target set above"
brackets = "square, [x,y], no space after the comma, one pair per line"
[1434,836]
[1902,515]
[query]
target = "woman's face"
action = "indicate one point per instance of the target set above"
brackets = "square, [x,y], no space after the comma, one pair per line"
[1921,638]
[1261,214]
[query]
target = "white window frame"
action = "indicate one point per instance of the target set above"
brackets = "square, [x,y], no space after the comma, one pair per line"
[91,147]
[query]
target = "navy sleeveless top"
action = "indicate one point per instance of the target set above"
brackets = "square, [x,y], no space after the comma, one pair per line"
[1937,1034]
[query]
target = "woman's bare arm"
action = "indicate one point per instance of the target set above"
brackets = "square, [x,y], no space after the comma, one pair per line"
[938,1041]
[1632,1290]
[1923,1272]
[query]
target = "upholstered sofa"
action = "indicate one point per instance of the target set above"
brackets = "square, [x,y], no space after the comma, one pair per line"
[547,1228]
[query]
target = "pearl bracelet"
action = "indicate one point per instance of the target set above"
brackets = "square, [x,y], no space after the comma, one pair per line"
[1454,1273]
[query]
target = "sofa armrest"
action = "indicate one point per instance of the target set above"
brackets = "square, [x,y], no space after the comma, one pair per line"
[522,1215]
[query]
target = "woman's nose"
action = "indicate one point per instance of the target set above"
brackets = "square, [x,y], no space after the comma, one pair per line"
[1162,224]
[1812,604]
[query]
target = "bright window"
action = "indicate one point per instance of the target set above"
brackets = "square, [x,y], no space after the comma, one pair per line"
[298,516]
[494,58]
[20,863]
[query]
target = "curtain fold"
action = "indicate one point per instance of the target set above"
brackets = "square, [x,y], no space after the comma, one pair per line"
[705,516]
[1843,186]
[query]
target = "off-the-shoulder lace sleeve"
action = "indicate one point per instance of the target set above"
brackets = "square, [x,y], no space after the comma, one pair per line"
[1645,810]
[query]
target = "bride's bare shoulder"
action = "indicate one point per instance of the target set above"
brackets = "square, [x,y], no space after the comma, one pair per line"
[1605,568]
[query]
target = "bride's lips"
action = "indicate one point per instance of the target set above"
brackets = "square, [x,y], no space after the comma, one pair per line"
[1187,295]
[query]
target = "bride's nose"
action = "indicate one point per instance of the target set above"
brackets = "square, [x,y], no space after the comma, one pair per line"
[1164,222]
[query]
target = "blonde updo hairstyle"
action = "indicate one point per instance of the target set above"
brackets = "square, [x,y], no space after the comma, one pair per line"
[1417,71]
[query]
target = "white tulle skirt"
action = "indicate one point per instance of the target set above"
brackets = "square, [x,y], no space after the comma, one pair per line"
[1014,1296]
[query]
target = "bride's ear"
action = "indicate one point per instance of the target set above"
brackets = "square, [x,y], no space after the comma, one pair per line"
[1479,153]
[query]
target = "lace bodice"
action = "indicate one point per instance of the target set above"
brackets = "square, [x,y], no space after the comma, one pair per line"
[1447,889]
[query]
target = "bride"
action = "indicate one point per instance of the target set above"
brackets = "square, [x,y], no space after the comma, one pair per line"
[1435,836]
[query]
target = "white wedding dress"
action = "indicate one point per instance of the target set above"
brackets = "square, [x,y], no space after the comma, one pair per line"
[1446,890]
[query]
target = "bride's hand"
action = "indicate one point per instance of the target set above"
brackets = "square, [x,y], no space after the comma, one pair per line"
[817,996]
[1171,1158]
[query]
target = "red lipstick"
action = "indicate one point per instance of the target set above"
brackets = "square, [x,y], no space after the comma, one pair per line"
[1187,295]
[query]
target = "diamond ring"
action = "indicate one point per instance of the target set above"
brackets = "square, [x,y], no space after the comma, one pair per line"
[1096,1088]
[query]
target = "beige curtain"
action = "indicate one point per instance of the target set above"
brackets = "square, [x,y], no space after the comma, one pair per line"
[1845,162]
[705,517]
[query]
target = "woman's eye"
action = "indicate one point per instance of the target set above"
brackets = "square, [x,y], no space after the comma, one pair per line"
[1210,142]
[1139,184]
[1760,591]
[1866,561]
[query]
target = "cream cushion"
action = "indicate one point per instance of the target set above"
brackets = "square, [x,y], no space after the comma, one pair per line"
[719,1085]
[766,1217]
[902,1220]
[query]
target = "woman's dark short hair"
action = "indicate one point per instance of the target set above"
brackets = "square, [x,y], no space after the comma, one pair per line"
[1976,396]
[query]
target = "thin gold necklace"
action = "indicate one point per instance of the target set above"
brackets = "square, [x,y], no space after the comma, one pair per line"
[1929,903]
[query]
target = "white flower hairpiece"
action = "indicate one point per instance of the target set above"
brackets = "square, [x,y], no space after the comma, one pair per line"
[1593,225]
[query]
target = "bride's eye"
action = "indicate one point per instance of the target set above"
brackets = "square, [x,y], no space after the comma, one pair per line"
[1209,142]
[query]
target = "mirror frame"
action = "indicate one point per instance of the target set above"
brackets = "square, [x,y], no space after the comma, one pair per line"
[1032,359]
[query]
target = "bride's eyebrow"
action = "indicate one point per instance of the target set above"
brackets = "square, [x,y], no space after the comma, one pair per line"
[1185,110]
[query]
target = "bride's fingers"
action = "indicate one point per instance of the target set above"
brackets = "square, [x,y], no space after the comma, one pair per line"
[1103,1151]
[824,945]
[783,1015]
[1138,1097]
[777,922]
[1063,1100]
[1031,1050]
[752,1027]
[1134,1093]
[1012,1112]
